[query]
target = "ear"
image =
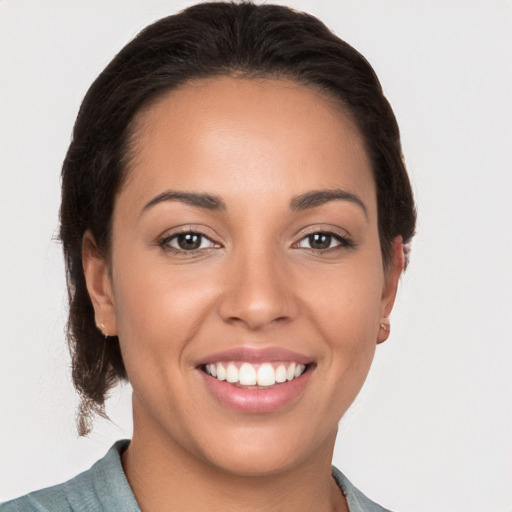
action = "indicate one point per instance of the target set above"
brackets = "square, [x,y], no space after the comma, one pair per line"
[392,276]
[99,285]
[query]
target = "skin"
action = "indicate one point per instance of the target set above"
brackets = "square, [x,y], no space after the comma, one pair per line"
[256,281]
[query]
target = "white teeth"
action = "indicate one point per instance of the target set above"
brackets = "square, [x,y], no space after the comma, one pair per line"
[211,369]
[221,371]
[290,373]
[299,369]
[247,375]
[281,373]
[263,375]
[232,373]
[266,375]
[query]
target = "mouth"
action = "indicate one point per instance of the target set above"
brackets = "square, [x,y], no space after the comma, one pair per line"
[256,380]
[255,375]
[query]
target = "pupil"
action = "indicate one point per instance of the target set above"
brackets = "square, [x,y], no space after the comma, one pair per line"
[320,241]
[189,241]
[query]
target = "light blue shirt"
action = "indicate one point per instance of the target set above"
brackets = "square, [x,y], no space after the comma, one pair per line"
[104,488]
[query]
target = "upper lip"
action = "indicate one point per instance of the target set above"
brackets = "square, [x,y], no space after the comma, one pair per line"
[256,355]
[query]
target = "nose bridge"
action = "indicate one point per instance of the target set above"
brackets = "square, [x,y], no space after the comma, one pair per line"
[257,291]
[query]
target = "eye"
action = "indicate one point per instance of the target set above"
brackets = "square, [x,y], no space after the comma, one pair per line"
[187,242]
[322,241]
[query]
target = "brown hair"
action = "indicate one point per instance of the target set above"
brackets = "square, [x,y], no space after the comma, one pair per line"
[205,40]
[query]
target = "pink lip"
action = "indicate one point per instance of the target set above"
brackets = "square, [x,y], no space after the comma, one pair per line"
[256,355]
[260,400]
[256,400]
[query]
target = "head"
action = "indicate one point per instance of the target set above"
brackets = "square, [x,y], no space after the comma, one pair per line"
[198,58]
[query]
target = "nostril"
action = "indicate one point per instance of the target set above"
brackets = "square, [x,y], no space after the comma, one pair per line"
[281,319]
[254,321]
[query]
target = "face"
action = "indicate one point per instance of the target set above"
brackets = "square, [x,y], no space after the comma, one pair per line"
[246,283]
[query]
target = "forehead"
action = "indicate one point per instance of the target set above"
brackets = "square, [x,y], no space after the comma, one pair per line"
[230,135]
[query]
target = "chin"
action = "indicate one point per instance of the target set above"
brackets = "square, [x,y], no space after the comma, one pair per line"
[265,451]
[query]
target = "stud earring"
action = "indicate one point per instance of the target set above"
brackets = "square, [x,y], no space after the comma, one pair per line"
[384,332]
[102,325]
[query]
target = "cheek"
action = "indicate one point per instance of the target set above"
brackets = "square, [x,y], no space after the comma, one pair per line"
[152,301]
[158,306]
[158,312]
[345,307]
[347,299]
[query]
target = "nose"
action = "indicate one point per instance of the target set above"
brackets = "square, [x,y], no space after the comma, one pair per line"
[258,291]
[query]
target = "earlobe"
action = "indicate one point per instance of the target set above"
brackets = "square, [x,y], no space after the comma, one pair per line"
[384,330]
[99,285]
[391,279]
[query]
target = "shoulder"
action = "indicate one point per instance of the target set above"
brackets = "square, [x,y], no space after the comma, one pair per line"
[103,487]
[357,501]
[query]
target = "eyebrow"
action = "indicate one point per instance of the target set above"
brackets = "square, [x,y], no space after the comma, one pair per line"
[206,201]
[310,199]
[319,197]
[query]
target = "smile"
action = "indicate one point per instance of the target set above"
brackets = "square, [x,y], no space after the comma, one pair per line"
[263,374]
[256,380]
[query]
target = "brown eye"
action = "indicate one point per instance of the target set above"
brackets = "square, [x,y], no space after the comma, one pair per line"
[323,241]
[320,241]
[187,242]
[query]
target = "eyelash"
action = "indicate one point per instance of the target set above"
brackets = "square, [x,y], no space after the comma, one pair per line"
[165,242]
[344,242]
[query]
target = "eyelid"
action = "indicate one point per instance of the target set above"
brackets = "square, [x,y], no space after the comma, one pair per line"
[345,239]
[200,229]
[163,240]
[168,239]
[340,234]
[323,228]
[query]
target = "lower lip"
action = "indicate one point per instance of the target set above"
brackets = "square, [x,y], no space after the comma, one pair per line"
[260,400]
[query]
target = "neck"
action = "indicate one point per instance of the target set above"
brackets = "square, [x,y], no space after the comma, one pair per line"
[161,472]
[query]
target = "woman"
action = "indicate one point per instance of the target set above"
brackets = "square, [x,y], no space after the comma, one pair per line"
[235,216]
